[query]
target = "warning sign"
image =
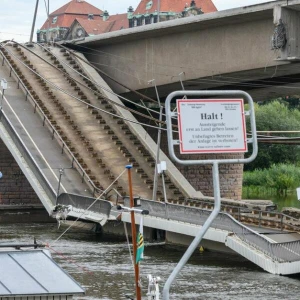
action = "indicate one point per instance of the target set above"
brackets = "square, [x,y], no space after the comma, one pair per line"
[211,126]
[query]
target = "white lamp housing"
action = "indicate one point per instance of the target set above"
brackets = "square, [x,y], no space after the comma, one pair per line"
[161,167]
[3,84]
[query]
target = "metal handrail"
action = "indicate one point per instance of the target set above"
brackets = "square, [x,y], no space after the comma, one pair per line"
[101,206]
[282,252]
[64,145]
[239,209]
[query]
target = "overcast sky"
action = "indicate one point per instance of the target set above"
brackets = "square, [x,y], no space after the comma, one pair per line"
[16,15]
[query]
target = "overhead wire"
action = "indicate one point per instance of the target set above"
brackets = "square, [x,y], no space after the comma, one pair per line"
[95,107]
[110,77]
[88,104]
[99,93]
[97,84]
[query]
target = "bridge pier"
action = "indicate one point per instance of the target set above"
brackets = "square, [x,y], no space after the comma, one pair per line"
[14,187]
[200,177]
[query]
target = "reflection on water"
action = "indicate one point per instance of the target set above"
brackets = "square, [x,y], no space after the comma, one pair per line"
[103,267]
[289,200]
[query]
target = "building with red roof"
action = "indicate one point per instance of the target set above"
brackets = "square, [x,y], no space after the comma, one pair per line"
[83,28]
[153,11]
[61,19]
[78,18]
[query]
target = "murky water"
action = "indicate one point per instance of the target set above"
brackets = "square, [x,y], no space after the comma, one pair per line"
[104,269]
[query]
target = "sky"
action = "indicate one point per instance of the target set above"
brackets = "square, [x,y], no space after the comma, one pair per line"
[16,15]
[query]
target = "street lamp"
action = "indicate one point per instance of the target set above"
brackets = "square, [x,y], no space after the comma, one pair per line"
[4,87]
[61,172]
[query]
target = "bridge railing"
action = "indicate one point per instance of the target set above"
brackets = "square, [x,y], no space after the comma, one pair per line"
[46,121]
[250,215]
[28,157]
[283,252]
[82,202]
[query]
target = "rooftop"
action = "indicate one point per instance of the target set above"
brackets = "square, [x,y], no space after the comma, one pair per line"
[34,272]
[147,6]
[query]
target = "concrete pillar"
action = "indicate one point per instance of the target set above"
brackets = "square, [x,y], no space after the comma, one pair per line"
[200,177]
[291,20]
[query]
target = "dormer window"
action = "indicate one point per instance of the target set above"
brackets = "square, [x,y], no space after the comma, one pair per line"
[149,5]
[90,17]
[54,20]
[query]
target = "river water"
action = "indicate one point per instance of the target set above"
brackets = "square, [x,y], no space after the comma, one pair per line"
[104,269]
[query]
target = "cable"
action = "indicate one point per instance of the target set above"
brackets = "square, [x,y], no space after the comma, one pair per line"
[88,104]
[15,33]
[97,84]
[97,199]
[108,99]
[108,76]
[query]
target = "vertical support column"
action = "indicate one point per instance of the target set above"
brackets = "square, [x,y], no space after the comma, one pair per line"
[200,234]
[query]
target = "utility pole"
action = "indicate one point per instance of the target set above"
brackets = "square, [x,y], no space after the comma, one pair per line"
[158,140]
[33,22]
[158,11]
[48,12]
[134,241]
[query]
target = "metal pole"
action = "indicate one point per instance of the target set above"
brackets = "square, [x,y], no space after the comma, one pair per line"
[61,172]
[158,11]
[164,186]
[33,22]
[181,82]
[47,34]
[200,234]
[2,98]
[134,241]
[157,154]
[158,143]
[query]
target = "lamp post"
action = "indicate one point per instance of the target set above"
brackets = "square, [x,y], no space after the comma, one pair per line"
[1,175]
[33,22]
[4,87]
[61,172]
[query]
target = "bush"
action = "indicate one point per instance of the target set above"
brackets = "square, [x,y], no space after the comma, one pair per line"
[281,177]
[255,178]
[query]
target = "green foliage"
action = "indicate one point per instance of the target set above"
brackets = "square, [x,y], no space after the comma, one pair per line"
[275,116]
[255,178]
[281,177]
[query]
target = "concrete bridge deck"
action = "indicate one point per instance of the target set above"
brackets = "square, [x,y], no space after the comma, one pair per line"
[229,50]
[33,133]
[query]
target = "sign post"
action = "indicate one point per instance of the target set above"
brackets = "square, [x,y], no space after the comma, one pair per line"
[208,126]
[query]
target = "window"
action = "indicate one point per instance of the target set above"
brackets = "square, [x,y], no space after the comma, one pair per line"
[90,17]
[134,22]
[54,20]
[149,5]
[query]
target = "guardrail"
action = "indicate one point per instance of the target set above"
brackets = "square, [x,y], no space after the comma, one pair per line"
[81,202]
[282,252]
[257,216]
[85,176]
[28,157]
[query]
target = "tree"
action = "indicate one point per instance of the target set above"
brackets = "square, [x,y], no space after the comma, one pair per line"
[275,116]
